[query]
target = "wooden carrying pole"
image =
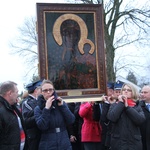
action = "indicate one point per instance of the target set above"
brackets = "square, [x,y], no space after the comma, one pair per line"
[83,99]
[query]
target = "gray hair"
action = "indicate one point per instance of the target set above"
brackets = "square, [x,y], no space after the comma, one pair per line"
[7,86]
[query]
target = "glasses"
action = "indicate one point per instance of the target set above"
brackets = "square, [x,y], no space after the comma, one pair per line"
[129,90]
[47,90]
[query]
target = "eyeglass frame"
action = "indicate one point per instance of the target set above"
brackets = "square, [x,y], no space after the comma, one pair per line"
[48,90]
[128,90]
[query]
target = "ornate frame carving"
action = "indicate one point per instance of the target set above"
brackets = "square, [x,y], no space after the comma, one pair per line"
[86,20]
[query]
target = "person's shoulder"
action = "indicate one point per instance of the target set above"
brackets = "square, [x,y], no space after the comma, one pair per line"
[1,104]
[3,107]
[37,109]
[23,100]
[4,103]
[28,98]
[40,97]
[141,103]
[1,100]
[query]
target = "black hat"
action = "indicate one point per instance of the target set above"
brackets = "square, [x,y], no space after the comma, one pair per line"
[110,85]
[34,85]
[118,85]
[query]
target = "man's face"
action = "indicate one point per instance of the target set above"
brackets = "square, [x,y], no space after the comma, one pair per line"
[145,93]
[110,92]
[117,93]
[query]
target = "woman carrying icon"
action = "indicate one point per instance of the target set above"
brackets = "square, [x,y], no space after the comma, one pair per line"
[52,115]
[126,116]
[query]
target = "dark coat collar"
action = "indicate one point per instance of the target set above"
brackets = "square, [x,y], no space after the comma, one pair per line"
[5,103]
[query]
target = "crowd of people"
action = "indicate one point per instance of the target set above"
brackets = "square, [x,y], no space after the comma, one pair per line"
[44,121]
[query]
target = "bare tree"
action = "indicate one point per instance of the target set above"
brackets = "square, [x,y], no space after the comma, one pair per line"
[125,22]
[131,77]
[123,27]
[26,45]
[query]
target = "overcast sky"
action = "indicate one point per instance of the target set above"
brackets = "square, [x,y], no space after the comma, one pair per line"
[12,16]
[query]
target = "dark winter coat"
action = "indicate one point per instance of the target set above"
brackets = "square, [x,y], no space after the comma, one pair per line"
[126,126]
[9,126]
[33,133]
[145,127]
[79,119]
[106,125]
[79,122]
[53,123]
[73,129]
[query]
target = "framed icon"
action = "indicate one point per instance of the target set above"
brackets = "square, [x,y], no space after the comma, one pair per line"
[71,48]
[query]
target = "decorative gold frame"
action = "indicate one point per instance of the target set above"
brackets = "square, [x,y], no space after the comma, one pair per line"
[50,17]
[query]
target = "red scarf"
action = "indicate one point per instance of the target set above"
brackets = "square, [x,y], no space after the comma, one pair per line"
[131,102]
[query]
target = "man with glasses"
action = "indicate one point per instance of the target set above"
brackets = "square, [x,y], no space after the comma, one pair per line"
[28,105]
[52,115]
[145,128]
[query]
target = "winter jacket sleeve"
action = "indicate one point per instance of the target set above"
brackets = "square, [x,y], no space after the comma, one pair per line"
[136,114]
[41,117]
[105,109]
[96,112]
[68,115]
[115,111]
[28,117]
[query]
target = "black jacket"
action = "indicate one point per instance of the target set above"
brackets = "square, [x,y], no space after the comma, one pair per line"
[33,133]
[126,126]
[9,126]
[145,127]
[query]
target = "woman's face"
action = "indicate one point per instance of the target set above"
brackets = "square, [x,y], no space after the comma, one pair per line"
[127,91]
[47,90]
